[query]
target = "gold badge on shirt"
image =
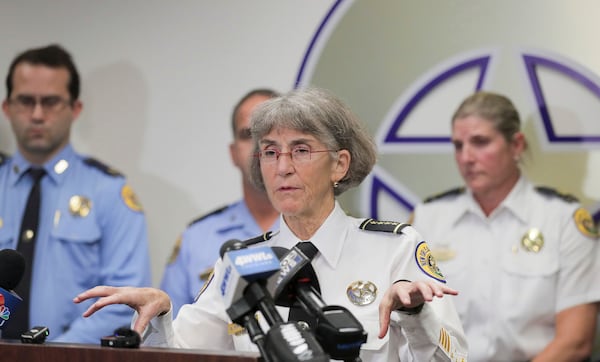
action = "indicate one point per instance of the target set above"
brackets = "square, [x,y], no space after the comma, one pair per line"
[533,240]
[361,292]
[80,206]
[585,223]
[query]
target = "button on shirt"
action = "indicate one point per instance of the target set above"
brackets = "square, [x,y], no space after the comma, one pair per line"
[509,295]
[75,252]
[347,254]
[199,249]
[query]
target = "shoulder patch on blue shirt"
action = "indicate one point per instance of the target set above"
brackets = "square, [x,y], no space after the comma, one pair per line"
[101,166]
[384,226]
[552,192]
[452,192]
[214,212]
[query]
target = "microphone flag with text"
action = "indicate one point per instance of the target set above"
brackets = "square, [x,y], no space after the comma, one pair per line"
[337,329]
[244,292]
[12,268]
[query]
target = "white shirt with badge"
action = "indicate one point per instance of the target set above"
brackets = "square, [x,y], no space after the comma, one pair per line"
[514,270]
[347,255]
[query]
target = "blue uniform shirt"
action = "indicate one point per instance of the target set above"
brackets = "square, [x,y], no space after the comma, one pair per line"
[91,232]
[198,247]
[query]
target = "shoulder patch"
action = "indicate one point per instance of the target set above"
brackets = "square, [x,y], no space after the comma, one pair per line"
[130,198]
[427,262]
[3,158]
[384,226]
[102,166]
[585,223]
[453,192]
[214,212]
[552,192]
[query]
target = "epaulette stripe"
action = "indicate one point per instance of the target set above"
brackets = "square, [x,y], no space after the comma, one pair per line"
[90,161]
[549,191]
[452,192]
[214,212]
[384,226]
[364,223]
[399,227]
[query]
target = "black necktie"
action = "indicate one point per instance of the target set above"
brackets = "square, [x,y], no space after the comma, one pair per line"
[297,313]
[19,321]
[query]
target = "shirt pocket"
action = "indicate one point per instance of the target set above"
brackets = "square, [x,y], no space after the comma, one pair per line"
[533,277]
[76,242]
[77,229]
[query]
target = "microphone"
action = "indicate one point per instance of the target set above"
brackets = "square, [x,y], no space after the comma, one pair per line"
[243,290]
[337,329]
[12,268]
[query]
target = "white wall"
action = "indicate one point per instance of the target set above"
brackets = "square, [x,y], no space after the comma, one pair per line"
[159,80]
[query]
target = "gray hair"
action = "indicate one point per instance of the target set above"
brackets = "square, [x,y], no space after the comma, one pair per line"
[493,107]
[321,114]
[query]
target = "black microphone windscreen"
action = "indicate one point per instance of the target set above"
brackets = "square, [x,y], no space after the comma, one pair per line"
[12,268]
[229,245]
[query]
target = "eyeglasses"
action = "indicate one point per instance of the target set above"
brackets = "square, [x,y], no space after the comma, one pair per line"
[298,154]
[49,104]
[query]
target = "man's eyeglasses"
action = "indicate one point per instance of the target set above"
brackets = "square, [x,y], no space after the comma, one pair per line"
[49,104]
[298,154]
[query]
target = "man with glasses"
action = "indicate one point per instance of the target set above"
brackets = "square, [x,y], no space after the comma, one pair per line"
[75,220]
[197,249]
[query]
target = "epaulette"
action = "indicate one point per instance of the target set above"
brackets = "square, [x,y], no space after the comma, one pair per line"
[384,226]
[258,239]
[214,212]
[552,192]
[101,166]
[452,192]
[3,158]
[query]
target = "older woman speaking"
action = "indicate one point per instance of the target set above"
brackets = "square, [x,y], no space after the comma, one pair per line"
[309,147]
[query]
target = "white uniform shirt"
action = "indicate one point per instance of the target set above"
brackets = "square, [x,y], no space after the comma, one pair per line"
[509,295]
[347,254]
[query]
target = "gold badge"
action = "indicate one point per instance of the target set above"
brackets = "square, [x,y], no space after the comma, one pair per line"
[585,223]
[61,166]
[80,206]
[361,292]
[1,223]
[533,240]
[443,253]
[130,198]
[427,262]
